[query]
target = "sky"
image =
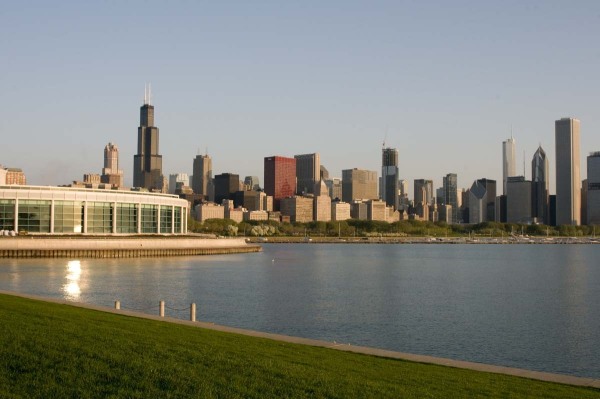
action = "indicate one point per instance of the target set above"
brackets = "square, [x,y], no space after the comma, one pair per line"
[443,82]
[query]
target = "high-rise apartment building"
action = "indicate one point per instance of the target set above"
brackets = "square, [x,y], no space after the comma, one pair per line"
[593,189]
[202,175]
[451,195]
[388,189]
[111,174]
[568,191]
[279,178]
[308,172]
[509,165]
[147,163]
[359,184]
[540,180]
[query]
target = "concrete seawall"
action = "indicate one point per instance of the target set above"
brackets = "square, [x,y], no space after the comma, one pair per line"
[120,247]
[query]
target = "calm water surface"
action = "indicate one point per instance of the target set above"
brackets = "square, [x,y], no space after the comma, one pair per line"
[529,306]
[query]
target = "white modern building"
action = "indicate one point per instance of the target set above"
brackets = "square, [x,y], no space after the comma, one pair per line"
[66,210]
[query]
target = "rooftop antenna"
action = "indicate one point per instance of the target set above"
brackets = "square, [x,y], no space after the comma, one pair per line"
[206,150]
[523,163]
[145,93]
[149,94]
[511,132]
[385,137]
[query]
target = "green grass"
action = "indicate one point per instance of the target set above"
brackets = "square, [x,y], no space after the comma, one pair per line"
[54,351]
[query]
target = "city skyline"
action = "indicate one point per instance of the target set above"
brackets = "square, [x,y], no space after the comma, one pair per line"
[314,84]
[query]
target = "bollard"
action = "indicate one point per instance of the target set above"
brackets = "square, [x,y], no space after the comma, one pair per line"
[118,305]
[161,308]
[193,312]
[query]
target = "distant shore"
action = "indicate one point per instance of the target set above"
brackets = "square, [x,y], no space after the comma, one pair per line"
[424,240]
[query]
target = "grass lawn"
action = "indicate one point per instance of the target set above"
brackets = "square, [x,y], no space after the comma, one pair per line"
[54,351]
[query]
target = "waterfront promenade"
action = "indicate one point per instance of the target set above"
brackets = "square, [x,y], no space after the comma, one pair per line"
[119,247]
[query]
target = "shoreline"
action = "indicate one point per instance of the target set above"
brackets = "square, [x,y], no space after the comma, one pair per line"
[482,367]
[424,240]
[120,247]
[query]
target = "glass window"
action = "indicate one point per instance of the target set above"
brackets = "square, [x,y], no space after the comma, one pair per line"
[34,216]
[166,219]
[177,220]
[149,218]
[68,217]
[7,214]
[126,218]
[99,217]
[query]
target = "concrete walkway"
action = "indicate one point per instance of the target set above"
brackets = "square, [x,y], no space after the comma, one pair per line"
[534,375]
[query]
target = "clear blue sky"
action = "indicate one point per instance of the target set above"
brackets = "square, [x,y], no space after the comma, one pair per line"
[445,80]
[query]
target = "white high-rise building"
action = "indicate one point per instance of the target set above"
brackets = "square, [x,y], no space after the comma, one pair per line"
[568,163]
[509,163]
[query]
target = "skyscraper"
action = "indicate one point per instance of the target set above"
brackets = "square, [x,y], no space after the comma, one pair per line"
[568,191]
[509,166]
[540,186]
[359,184]
[202,174]
[388,189]
[279,178]
[593,188]
[451,195]
[490,206]
[147,163]
[226,185]
[111,174]
[175,179]
[423,191]
[308,172]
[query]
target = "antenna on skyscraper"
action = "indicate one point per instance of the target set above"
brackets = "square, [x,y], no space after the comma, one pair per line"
[385,137]
[523,163]
[145,93]
[149,94]
[206,150]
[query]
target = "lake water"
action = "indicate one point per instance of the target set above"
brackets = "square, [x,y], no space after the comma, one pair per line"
[529,306]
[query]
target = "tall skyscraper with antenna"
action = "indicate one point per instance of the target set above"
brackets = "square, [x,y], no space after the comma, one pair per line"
[509,166]
[389,184]
[147,163]
[202,178]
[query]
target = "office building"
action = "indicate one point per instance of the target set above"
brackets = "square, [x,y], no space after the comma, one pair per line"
[324,173]
[593,189]
[335,187]
[252,183]
[540,181]
[15,176]
[226,185]
[388,189]
[297,208]
[490,208]
[111,173]
[478,200]
[178,180]
[209,210]
[423,191]
[568,191]
[321,203]
[451,196]
[509,165]
[584,198]
[358,210]
[202,176]
[91,178]
[308,172]
[68,210]
[279,178]
[359,184]
[518,200]
[250,199]
[340,211]
[147,163]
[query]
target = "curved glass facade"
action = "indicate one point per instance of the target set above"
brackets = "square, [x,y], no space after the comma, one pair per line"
[81,211]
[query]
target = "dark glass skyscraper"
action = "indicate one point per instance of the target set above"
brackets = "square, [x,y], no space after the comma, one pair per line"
[147,163]
[451,195]
[539,186]
[388,189]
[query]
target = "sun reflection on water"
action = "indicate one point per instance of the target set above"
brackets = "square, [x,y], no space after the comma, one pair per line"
[71,287]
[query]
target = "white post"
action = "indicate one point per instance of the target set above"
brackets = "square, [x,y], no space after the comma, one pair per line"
[118,305]
[161,306]
[193,312]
